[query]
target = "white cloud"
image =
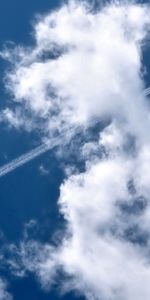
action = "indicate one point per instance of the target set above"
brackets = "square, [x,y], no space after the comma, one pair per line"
[91,76]
[13,119]
[4,295]
[85,68]
[43,170]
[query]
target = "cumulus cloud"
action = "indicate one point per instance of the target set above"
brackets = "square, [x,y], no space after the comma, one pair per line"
[85,69]
[76,72]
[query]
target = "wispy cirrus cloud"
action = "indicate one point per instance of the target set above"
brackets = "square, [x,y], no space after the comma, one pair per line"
[86,68]
[4,295]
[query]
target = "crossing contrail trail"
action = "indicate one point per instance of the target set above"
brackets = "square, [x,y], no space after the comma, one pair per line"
[23,159]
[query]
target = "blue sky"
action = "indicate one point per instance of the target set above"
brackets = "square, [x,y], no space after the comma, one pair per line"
[28,196]
[16,18]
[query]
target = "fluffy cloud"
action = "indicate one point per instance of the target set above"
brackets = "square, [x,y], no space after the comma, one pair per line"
[85,69]
[76,72]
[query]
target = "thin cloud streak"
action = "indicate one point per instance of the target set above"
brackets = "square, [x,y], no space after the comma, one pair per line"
[147,91]
[25,158]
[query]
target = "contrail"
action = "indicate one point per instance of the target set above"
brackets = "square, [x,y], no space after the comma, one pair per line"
[147,91]
[23,159]
[18,162]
